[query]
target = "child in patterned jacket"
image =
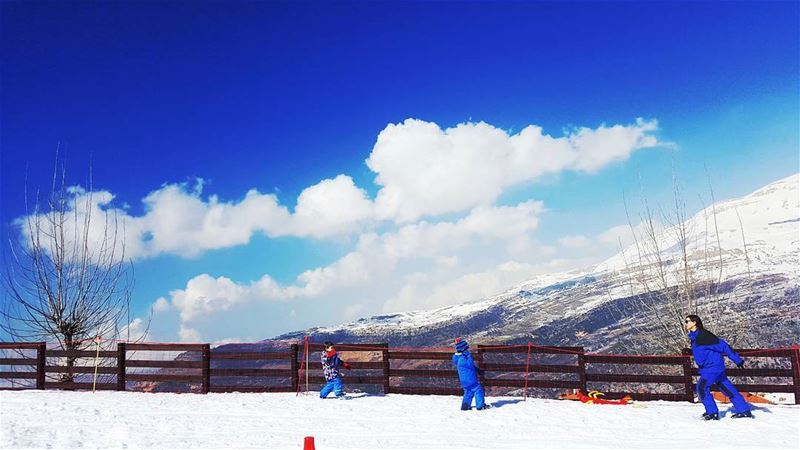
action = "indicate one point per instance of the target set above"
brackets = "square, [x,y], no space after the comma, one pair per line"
[330,368]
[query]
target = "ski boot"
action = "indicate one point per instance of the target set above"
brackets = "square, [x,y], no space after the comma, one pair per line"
[708,416]
[743,414]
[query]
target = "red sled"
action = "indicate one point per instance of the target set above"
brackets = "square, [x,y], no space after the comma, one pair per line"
[594,398]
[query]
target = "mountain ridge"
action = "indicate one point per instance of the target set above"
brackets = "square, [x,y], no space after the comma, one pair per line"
[770,224]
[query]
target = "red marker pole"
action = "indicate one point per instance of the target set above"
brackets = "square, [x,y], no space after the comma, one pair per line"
[527,371]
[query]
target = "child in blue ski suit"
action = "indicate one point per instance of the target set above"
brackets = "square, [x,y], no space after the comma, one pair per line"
[468,375]
[708,351]
[330,369]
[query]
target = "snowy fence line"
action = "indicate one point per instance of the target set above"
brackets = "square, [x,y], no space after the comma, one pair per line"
[388,370]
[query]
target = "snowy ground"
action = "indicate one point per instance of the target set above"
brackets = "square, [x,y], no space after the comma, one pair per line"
[106,420]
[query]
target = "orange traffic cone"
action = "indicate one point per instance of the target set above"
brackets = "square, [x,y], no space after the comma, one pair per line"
[308,443]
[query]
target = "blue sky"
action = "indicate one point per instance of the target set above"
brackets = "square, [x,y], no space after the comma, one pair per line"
[278,97]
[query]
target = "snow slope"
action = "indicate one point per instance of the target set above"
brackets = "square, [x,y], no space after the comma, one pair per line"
[768,220]
[111,420]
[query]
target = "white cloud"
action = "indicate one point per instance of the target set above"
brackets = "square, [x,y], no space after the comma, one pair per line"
[160,305]
[433,235]
[447,261]
[576,241]
[87,220]
[179,221]
[383,264]
[417,266]
[432,240]
[422,169]
[603,145]
[134,331]
[427,171]
[205,295]
[331,207]
[352,269]
[189,335]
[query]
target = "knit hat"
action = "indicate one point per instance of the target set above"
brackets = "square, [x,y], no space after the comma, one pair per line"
[461,345]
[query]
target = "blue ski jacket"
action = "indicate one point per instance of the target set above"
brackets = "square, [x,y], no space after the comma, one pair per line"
[467,372]
[708,351]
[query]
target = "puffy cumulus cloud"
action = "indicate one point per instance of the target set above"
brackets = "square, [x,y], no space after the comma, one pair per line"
[206,295]
[160,305]
[504,221]
[352,269]
[432,240]
[442,240]
[416,266]
[596,148]
[412,259]
[424,170]
[136,330]
[331,207]
[177,220]
[85,219]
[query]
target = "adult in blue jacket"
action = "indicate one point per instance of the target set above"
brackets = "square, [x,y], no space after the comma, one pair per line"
[709,351]
[468,375]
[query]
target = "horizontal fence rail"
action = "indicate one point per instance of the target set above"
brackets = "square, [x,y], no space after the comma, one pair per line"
[400,371]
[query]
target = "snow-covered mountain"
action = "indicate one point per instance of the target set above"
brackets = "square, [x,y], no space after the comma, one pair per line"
[748,247]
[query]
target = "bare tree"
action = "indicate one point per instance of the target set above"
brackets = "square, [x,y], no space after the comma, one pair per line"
[674,270]
[67,280]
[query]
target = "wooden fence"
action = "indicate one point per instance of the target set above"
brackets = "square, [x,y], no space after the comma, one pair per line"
[386,370]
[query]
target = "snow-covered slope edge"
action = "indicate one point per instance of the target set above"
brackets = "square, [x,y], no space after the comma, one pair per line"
[583,307]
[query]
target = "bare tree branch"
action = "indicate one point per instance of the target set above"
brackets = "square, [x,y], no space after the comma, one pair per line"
[676,272]
[68,279]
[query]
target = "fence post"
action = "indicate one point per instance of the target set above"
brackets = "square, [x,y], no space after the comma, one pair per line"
[206,368]
[582,369]
[122,355]
[687,375]
[41,349]
[385,359]
[796,373]
[294,367]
